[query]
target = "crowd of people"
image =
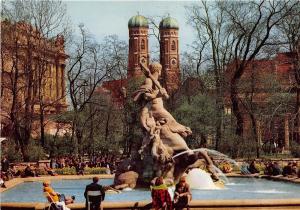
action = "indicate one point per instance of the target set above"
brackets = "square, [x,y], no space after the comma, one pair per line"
[272,168]
[106,161]
[9,171]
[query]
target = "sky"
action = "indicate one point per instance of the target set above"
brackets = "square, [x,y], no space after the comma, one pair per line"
[104,18]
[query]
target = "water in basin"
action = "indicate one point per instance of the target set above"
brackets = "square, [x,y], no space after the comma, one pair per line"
[236,188]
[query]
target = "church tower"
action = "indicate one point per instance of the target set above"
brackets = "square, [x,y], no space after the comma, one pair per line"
[138,45]
[169,54]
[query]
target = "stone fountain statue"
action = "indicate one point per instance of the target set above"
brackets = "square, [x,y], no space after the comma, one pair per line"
[163,136]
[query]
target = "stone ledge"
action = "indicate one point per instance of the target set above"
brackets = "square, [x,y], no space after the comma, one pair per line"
[14,182]
[195,204]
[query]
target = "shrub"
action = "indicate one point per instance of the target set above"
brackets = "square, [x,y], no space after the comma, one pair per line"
[97,170]
[66,171]
[9,149]
[42,171]
[87,170]
[36,151]
[295,149]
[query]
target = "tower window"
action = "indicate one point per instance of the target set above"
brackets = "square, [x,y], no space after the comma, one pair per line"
[143,44]
[173,46]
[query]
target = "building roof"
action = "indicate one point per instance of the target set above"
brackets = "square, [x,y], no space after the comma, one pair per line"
[113,88]
[169,23]
[138,21]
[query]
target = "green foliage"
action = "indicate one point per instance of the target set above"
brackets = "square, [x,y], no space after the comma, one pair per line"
[87,170]
[295,149]
[42,171]
[36,151]
[132,135]
[9,149]
[55,145]
[97,170]
[198,113]
[66,171]
[13,153]
[234,146]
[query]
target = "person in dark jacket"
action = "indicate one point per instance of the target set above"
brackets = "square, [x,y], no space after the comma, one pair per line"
[95,201]
[287,170]
[252,168]
[5,164]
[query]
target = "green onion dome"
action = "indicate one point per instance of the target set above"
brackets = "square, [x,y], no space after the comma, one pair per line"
[138,21]
[169,23]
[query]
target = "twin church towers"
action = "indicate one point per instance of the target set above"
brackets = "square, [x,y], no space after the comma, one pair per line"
[169,54]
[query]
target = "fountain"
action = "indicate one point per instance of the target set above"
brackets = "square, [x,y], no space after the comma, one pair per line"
[164,150]
[198,179]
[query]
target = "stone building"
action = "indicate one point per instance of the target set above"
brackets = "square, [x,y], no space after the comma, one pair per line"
[32,72]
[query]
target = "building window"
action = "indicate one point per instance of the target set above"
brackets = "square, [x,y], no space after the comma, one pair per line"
[227,110]
[173,46]
[143,44]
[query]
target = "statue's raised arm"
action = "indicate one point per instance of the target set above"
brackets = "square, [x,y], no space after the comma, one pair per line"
[148,74]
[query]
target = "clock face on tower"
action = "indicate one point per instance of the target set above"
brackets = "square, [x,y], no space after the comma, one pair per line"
[173,61]
[143,60]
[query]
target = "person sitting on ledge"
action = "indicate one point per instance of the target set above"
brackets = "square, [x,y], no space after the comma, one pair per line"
[252,168]
[269,169]
[294,169]
[245,168]
[276,170]
[287,170]
[50,171]
[226,168]
[28,171]
[55,196]
[183,195]
[161,198]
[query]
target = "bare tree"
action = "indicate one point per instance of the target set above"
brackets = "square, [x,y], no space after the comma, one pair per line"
[290,30]
[90,65]
[212,48]
[252,24]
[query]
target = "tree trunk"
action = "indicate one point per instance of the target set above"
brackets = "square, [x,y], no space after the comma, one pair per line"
[236,109]
[73,136]
[24,151]
[107,126]
[220,110]
[297,111]
[254,130]
[42,137]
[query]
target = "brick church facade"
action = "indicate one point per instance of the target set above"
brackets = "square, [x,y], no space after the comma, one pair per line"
[139,52]
[277,128]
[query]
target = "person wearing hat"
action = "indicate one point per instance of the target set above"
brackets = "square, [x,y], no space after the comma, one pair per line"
[55,196]
[183,195]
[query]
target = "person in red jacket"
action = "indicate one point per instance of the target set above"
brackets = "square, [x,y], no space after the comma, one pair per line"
[161,198]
